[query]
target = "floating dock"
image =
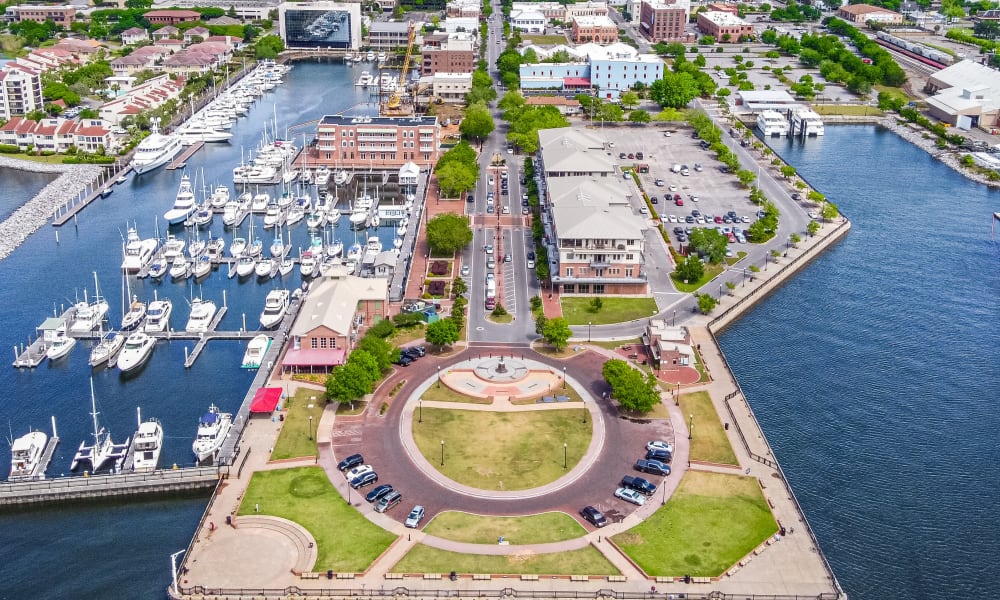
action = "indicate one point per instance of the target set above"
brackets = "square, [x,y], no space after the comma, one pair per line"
[181,161]
[63,489]
[32,355]
[100,189]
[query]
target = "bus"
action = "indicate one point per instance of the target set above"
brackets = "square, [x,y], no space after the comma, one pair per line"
[491,295]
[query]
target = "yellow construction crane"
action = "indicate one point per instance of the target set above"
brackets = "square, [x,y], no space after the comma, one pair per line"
[394,105]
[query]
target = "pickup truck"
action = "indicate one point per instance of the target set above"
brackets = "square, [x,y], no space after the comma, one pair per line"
[639,484]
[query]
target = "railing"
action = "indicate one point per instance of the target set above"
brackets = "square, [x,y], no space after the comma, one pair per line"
[81,482]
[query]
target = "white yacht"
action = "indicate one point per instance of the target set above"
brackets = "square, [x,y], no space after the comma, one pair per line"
[246,265]
[137,350]
[275,305]
[806,121]
[213,428]
[230,212]
[107,348]
[264,267]
[772,123]
[273,215]
[307,264]
[26,456]
[202,131]
[134,316]
[286,267]
[147,443]
[365,79]
[202,266]
[256,350]
[184,203]
[156,150]
[294,215]
[158,269]
[255,173]
[289,176]
[104,451]
[316,219]
[158,315]
[60,345]
[173,247]
[322,176]
[354,253]
[335,249]
[180,268]
[202,313]
[138,252]
[220,196]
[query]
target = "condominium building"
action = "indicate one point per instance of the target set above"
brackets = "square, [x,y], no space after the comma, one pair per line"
[662,21]
[612,69]
[58,135]
[20,91]
[374,142]
[452,87]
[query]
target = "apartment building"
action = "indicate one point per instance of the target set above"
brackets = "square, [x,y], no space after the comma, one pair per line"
[662,21]
[388,35]
[60,15]
[20,91]
[613,69]
[57,135]
[596,29]
[444,53]
[374,142]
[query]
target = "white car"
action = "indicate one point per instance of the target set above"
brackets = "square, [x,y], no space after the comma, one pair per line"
[629,495]
[466,270]
[672,218]
[358,470]
[813,215]
[415,516]
[660,445]
[672,188]
[745,219]
[488,248]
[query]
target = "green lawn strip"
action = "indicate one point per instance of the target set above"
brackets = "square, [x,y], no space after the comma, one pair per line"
[614,345]
[502,450]
[443,393]
[405,335]
[544,39]
[569,392]
[577,311]
[345,540]
[548,350]
[296,438]
[852,110]
[349,409]
[480,529]
[586,561]
[708,442]
[711,522]
[502,320]
[711,271]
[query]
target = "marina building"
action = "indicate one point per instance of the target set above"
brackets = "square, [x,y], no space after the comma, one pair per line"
[378,143]
[335,313]
[20,90]
[662,21]
[334,25]
[724,26]
[966,95]
[668,346]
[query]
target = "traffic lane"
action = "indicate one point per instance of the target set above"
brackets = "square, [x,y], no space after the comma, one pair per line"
[624,443]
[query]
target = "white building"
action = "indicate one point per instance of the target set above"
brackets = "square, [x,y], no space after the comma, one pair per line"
[528,21]
[452,87]
[20,91]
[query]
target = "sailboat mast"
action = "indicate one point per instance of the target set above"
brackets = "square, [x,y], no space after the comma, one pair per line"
[93,413]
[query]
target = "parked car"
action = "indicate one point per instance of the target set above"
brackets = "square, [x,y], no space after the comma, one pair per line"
[403,360]
[470,198]
[415,516]
[420,350]
[350,462]
[377,492]
[365,479]
[658,183]
[659,445]
[466,270]
[524,210]
[678,201]
[653,467]
[639,484]
[594,516]
[660,455]
[697,167]
[630,495]
[488,248]
[672,188]
[490,263]
[531,263]
[490,210]
[358,471]
[654,199]
[639,155]
[388,501]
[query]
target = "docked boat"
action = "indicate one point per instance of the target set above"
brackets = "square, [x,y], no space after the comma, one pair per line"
[197,247]
[107,348]
[332,216]
[260,202]
[202,266]
[341,177]
[238,246]
[365,79]
[202,313]
[335,249]
[307,264]
[255,248]
[397,243]
[220,196]
[401,230]
[155,150]
[277,246]
[254,174]
[184,203]
[315,220]
[246,265]
[275,305]
[147,444]
[60,345]
[294,215]
[134,316]
[213,429]
[158,315]
[180,269]
[26,457]
[354,253]
[264,267]
[104,453]
[203,216]
[772,123]
[289,176]
[89,315]
[173,247]
[229,213]
[322,176]
[807,122]
[158,269]
[137,350]
[286,267]
[138,252]
[273,215]
[203,131]
[256,350]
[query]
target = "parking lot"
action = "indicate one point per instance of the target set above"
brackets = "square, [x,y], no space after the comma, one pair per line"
[705,188]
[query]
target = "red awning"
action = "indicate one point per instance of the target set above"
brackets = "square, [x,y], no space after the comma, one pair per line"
[576,82]
[308,357]
[265,400]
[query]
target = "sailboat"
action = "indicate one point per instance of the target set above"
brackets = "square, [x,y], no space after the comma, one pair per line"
[107,348]
[96,457]
[89,315]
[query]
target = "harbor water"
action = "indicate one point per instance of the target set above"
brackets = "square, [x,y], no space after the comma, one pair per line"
[19,186]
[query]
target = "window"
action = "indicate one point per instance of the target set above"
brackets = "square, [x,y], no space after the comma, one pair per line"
[598,288]
[313,343]
[584,288]
[569,288]
[569,272]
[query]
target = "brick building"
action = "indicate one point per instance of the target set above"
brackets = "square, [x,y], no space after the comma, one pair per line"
[596,29]
[374,142]
[862,13]
[724,26]
[444,53]
[60,15]
[662,21]
[171,17]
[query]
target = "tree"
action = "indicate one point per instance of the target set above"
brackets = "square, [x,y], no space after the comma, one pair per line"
[812,228]
[442,333]
[268,46]
[829,211]
[706,303]
[557,332]
[675,90]
[455,178]
[787,171]
[690,269]
[629,387]
[367,362]
[448,233]
[512,100]
[639,116]
[629,100]
[710,243]
[478,122]
[377,347]
[745,176]
[459,287]
[348,382]
[596,304]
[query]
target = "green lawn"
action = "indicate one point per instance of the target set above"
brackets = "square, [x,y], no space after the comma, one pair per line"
[502,320]
[711,270]
[510,451]
[614,310]
[55,159]
[345,540]
[403,335]
[586,561]
[711,522]
[708,442]
[296,438]
[851,110]
[544,39]
[615,344]
[479,529]
[443,393]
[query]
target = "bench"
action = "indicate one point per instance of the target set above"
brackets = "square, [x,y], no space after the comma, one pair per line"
[664,580]
[308,575]
[579,578]
[481,577]
[529,577]
[394,575]
[345,575]
[429,576]
[617,579]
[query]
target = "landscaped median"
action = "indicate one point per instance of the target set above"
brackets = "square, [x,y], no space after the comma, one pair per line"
[586,561]
[481,529]
[345,540]
[709,524]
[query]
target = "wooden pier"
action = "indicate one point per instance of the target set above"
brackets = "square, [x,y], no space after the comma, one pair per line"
[189,358]
[64,489]
[99,190]
[181,161]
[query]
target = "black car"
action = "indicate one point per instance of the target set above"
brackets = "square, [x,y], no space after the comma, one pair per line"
[654,199]
[470,198]
[594,516]
[639,484]
[524,201]
[660,455]
[681,237]
[365,479]
[638,155]
[350,462]
[378,492]
[489,209]
[403,360]
[531,256]
[417,351]
[689,219]
[653,467]
[678,230]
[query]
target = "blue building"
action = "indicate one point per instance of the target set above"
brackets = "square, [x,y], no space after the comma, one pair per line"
[612,69]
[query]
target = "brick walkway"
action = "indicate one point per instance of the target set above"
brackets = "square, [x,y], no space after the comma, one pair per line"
[435,206]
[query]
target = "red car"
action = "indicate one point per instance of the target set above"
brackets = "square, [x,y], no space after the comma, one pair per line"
[678,201]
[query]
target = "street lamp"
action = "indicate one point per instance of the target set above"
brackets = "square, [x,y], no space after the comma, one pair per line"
[564,377]
[173,568]
[565,456]
[310,427]
[664,500]
[690,426]
[673,321]
[420,410]
[442,453]
[677,395]
[589,324]
[439,376]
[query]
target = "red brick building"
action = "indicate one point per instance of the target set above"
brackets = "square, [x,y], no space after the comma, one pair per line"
[171,17]
[60,15]
[663,21]
[444,54]
[724,26]
[374,142]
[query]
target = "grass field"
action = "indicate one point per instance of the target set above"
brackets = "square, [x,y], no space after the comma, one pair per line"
[544,39]
[711,271]
[708,441]
[296,438]
[345,540]
[479,529]
[711,522]
[402,336]
[587,561]
[850,110]
[444,393]
[512,451]
[614,310]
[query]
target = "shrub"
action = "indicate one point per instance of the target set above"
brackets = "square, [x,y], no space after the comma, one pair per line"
[382,329]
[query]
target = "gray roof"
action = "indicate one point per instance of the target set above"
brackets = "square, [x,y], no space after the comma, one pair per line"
[568,149]
[593,208]
[392,26]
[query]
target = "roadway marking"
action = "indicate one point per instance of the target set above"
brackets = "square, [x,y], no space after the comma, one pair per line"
[346,432]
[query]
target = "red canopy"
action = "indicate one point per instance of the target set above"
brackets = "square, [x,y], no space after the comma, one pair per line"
[265,400]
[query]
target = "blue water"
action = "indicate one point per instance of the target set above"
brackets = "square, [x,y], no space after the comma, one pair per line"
[874,372]
[17,186]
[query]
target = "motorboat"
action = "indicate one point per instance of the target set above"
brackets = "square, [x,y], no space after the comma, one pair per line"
[246,265]
[173,247]
[322,176]
[307,264]
[202,266]
[220,196]
[256,350]
[335,249]
[264,267]
[138,252]
[26,460]
[332,216]
[60,345]
[289,176]
[286,267]
[341,177]
[294,215]
[203,216]
[397,243]
[134,316]
[255,173]
[365,79]
[273,215]
[184,203]
[180,269]
[230,212]
[137,350]
[158,316]
[155,150]
[213,429]
[203,131]
[147,444]
[107,348]
[104,453]
[401,230]
[238,246]
[202,313]
[354,253]
[214,248]
[374,221]
[275,305]
[260,202]
[197,248]
[158,269]
[89,315]
[315,220]
[772,123]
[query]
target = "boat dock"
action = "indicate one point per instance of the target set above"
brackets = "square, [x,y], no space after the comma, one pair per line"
[189,358]
[101,188]
[33,354]
[80,487]
[181,161]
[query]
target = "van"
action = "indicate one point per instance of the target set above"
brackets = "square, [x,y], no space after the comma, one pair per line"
[676,168]
[388,501]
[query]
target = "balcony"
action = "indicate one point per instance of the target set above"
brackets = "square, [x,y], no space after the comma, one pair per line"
[600,264]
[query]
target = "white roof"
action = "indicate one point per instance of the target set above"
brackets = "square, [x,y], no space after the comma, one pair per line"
[523,15]
[594,21]
[722,18]
[333,301]
[568,149]
[593,208]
